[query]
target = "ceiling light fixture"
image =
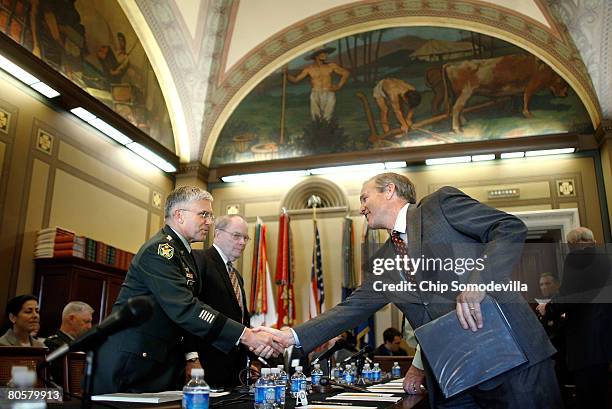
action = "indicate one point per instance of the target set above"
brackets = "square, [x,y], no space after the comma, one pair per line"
[546,152]
[27,78]
[512,155]
[447,161]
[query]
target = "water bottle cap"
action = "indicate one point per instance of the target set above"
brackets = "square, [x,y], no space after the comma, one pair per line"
[197,372]
[348,366]
[281,367]
[265,371]
[298,368]
[376,364]
[317,366]
[274,371]
[395,363]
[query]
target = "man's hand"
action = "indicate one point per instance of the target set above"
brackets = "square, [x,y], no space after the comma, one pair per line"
[468,309]
[262,343]
[189,366]
[414,381]
[283,337]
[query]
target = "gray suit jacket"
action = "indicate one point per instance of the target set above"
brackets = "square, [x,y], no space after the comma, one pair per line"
[446,225]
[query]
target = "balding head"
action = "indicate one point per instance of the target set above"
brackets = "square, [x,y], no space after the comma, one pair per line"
[76,318]
[580,235]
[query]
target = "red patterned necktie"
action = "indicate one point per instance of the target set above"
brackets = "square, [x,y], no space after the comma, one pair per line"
[235,284]
[400,249]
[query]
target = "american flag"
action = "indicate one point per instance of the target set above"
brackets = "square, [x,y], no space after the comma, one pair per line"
[317,295]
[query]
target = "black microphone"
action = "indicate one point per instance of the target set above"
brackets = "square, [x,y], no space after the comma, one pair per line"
[341,343]
[365,350]
[136,311]
[325,381]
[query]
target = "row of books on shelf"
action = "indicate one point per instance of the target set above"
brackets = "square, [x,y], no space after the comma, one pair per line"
[59,242]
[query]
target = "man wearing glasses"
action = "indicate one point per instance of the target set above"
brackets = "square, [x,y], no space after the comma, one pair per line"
[222,289]
[151,357]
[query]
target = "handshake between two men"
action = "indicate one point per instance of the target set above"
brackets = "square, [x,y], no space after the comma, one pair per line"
[267,342]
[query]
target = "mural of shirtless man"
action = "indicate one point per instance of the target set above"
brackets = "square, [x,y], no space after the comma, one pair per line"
[323,93]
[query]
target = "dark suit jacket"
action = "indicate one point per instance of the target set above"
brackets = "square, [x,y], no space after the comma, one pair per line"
[447,225]
[586,274]
[150,357]
[220,369]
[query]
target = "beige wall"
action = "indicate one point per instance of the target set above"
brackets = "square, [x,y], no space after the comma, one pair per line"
[536,178]
[85,182]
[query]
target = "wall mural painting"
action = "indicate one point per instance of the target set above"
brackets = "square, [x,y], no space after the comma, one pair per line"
[393,88]
[92,43]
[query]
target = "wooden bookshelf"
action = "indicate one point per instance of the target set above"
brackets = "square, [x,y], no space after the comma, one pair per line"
[61,280]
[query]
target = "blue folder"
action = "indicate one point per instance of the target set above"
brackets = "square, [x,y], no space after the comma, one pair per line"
[461,359]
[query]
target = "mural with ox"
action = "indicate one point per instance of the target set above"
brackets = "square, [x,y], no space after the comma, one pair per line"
[92,43]
[399,87]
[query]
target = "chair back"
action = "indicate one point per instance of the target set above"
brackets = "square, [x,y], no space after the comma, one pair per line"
[75,371]
[386,362]
[21,356]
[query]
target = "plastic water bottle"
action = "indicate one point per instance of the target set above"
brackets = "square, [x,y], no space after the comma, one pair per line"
[265,391]
[23,377]
[280,384]
[396,371]
[376,374]
[282,375]
[298,381]
[196,392]
[366,373]
[349,375]
[316,374]
[336,373]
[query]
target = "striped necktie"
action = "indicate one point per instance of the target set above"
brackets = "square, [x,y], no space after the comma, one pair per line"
[233,275]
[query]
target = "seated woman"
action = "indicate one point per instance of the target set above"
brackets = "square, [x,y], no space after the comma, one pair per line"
[22,313]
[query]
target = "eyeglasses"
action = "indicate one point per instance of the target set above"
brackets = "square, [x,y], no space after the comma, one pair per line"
[203,214]
[237,236]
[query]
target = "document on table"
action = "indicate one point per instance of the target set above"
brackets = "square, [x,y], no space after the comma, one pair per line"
[158,397]
[371,397]
[332,406]
[386,388]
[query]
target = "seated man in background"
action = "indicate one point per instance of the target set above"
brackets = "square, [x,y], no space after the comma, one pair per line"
[23,318]
[392,339]
[76,320]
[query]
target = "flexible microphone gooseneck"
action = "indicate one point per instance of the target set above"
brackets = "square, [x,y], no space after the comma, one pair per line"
[325,381]
[364,351]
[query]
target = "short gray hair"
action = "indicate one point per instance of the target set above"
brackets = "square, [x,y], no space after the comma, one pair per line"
[221,222]
[75,307]
[184,194]
[580,235]
[403,186]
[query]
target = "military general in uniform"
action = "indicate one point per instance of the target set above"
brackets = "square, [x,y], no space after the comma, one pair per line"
[152,357]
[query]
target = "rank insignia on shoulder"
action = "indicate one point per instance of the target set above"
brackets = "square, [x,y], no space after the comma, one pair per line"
[165,250]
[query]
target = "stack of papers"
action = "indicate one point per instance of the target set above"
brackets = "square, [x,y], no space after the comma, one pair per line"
[363,396]
[158,397]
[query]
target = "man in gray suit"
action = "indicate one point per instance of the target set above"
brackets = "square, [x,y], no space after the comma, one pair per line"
[447,225]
